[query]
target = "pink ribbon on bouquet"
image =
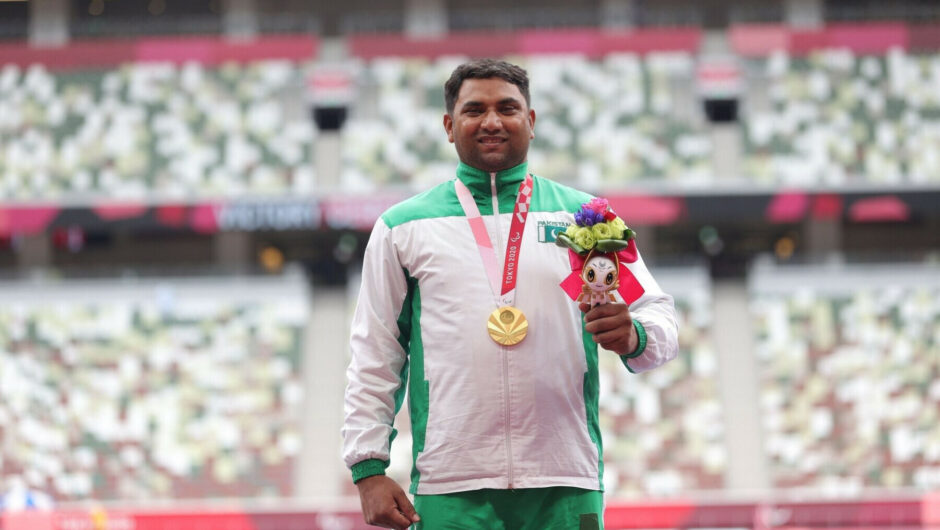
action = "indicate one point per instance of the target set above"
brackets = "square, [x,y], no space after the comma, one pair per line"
[630,289]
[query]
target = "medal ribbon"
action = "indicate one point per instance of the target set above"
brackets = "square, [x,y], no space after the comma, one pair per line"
[506,290]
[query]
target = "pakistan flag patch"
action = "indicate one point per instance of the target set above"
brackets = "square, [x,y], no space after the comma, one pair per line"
[548,230]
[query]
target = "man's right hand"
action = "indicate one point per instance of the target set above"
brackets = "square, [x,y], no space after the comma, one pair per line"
[385,504]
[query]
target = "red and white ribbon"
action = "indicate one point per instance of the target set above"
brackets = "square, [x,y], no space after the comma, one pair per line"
[506,288]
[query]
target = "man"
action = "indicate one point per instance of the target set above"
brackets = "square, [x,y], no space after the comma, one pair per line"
[505,435]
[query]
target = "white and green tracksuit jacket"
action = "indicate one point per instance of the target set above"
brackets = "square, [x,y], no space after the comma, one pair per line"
[483,415]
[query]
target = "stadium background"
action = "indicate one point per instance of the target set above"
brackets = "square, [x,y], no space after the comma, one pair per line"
[181,227]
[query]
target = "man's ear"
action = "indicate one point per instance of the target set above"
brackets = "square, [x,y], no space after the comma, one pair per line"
[531,124]
[449,127]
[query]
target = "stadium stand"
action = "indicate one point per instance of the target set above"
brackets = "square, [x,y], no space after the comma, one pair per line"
[849,361]
[154,131]
[612,114]
[171,130]
[178,390]
[840,118]
[152,389]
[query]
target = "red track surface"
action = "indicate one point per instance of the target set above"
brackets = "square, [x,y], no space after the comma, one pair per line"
[913,513]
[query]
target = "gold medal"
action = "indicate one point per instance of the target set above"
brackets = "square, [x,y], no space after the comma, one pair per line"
[507,326]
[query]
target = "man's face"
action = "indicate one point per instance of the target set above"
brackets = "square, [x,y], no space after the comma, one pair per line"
[491,124]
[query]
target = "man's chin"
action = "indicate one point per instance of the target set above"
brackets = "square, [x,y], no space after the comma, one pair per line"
[489,162]
[492,164]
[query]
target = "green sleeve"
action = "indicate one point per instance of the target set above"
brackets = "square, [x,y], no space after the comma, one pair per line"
[367,468]
[640,345]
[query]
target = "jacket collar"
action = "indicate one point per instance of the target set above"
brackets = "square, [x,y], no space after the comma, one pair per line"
[479,181]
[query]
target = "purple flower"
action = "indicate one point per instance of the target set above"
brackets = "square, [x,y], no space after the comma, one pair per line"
[587,217]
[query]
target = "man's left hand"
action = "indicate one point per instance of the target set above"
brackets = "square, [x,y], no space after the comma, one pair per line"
[611,327]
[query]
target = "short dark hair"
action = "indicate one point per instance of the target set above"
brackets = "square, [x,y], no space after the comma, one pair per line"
[485,69]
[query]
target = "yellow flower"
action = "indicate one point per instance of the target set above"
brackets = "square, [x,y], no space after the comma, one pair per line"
[602,231]
[584,237]
[572,230]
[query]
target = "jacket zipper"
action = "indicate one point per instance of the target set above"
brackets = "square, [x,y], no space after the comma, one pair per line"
[503,351]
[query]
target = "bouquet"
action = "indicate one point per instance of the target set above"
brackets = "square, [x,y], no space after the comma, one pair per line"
[596,228]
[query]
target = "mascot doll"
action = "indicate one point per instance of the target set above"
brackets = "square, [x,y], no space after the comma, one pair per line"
[600,249]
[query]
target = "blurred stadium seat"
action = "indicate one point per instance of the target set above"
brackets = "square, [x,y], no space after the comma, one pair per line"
[154,131]
[837,118]
[174,388]
[848,370]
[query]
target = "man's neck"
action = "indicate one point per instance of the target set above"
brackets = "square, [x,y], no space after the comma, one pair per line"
[479,180]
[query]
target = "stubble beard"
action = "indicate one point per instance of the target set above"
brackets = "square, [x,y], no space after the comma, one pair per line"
[489,162]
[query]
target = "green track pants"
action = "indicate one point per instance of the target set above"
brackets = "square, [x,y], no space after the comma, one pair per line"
[523,509]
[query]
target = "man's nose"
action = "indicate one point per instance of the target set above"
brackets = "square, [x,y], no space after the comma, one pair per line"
[491,121]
